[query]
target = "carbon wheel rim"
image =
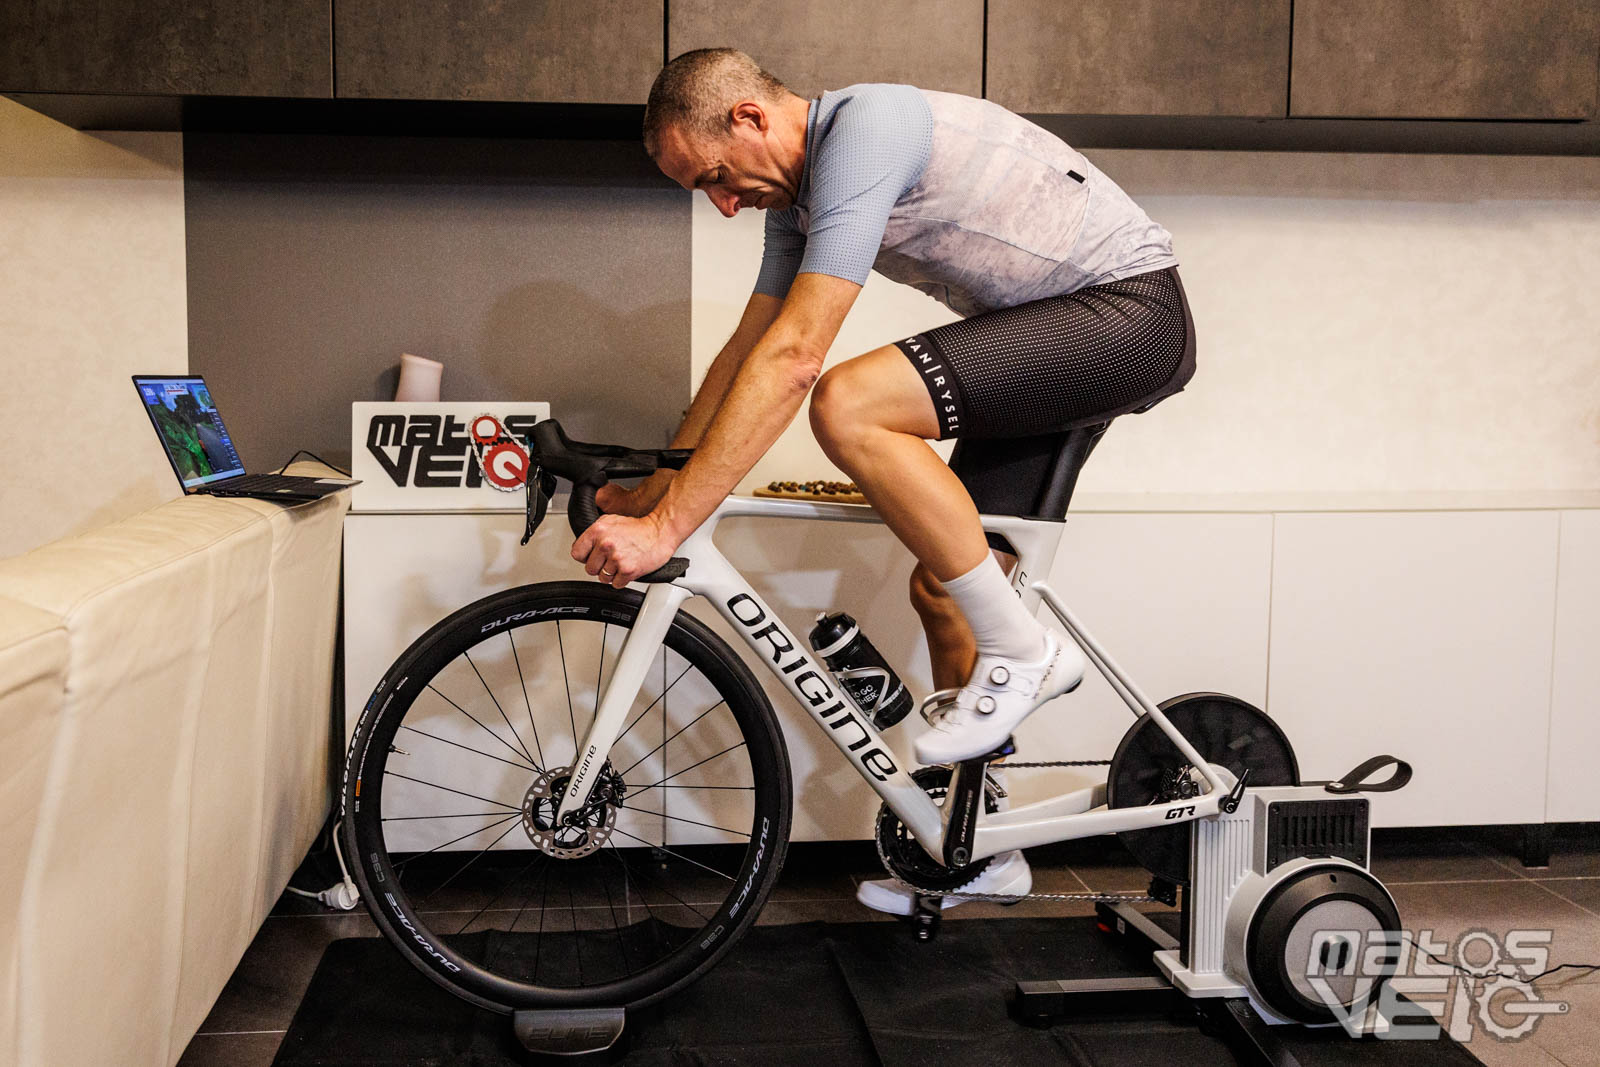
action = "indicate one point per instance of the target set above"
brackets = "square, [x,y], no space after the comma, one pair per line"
[448,805]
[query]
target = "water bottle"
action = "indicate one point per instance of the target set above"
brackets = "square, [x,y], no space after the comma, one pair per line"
[870,682]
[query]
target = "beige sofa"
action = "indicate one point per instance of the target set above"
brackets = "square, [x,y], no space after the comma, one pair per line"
[165,687]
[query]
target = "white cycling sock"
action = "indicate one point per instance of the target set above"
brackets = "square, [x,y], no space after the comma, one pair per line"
[1001,624]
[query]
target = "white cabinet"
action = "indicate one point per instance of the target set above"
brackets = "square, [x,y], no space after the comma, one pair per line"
[1575,682]
[1426,635]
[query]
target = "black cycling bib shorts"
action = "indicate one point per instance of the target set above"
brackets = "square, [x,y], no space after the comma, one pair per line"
[1010,383]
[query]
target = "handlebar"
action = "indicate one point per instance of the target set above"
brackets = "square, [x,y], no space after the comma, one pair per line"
[588,467]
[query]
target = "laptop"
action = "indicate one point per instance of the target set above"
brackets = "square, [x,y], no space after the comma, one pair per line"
[202,455]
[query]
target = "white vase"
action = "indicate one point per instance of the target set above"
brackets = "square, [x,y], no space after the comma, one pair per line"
[419,378]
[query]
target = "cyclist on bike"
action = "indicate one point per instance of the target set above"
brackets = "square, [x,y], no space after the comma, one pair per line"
[1073,312]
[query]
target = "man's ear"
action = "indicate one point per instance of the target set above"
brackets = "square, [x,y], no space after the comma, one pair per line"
[751,113]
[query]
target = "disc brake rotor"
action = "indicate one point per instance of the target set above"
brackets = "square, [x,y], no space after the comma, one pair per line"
[1149,769]
[586,833]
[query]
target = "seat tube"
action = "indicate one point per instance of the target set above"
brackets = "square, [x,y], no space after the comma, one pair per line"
[649,630]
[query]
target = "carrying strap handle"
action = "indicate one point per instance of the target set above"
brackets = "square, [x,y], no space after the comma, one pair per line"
[1355,780]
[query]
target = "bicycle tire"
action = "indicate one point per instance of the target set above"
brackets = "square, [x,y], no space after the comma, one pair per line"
[494,974]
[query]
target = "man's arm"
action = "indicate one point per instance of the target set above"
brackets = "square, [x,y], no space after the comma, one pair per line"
[761,399]
[759,314]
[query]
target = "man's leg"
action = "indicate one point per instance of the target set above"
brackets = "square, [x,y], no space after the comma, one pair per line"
[872,416]
[952,650]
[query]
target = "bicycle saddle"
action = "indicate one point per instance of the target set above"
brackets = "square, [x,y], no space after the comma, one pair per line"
[589,466]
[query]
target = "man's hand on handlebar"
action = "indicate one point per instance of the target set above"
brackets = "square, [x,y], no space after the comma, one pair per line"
[638,501]
[619,548]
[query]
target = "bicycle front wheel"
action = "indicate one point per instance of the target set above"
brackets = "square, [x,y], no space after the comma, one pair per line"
[460,762]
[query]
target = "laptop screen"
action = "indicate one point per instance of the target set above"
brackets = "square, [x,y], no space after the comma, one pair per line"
[190,430]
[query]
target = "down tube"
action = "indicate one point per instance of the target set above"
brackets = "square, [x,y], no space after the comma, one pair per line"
[810,683]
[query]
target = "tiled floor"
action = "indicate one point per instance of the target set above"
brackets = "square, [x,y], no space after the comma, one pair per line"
[1446,882]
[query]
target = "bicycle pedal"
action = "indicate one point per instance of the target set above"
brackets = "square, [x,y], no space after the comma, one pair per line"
[1007,748]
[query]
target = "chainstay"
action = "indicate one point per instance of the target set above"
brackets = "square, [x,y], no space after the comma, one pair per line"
[1015,898]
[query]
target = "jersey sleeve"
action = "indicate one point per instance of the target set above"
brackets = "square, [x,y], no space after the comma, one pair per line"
[873,151]
[872,156]
[784,246]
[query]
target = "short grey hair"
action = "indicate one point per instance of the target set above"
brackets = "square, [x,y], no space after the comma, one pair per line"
[697,91]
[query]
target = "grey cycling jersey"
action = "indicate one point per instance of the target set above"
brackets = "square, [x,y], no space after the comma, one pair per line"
[957,197]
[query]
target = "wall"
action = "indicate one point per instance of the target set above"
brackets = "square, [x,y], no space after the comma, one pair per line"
[1366,323]
[91,292]
[534,270]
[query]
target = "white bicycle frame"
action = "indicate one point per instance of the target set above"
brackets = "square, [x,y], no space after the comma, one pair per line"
[1081,813]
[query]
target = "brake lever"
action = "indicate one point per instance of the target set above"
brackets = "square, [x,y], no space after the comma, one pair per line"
[539,487]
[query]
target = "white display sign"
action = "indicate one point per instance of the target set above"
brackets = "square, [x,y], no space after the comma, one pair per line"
[444,456]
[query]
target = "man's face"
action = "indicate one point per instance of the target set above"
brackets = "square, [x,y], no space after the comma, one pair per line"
[741,169]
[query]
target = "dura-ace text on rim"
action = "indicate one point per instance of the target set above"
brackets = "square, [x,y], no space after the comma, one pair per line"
[458,767]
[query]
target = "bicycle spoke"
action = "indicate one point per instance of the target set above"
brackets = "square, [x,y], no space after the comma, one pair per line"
[481,726]
[498,708]
[663,888]
[457,792]
[518,661]
[658,699]
[496,898]
[692,766]
[469,748]
[464,866]
[598,674]
[633,787]
[544,909]
[668,851]
[679,818]
[622,942]
[498,822]
[462,815]
[572,716]
[577,941]
[674,737]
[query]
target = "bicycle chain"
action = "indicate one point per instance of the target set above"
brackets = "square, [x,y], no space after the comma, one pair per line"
[1015,898]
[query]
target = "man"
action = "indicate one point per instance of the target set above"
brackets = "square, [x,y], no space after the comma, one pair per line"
[1073,313]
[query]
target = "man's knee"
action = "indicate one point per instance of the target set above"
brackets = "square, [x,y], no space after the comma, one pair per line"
[835,410]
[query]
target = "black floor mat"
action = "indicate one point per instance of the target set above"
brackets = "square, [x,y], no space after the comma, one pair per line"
[810,995]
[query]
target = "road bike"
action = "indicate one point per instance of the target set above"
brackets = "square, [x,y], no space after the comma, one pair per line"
[603,781]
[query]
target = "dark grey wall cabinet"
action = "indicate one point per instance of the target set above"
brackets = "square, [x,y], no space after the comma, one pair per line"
[213,47]
[1468,59]
[596,52]
[1140,57]
[828,44]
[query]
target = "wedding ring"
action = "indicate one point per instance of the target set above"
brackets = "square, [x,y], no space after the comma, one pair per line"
[608,574]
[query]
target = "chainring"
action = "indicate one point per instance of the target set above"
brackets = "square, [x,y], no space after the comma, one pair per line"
[907,860]
[1149,769]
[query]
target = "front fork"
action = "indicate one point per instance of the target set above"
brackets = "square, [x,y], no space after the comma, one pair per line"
[661,603]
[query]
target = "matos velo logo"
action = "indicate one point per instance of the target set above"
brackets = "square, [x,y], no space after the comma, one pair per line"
[444,452]
[1480,982]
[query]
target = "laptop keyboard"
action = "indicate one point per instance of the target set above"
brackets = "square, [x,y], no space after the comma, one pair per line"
[255,483]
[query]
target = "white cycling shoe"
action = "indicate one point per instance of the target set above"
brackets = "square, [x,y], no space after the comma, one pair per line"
[1007,874]
[999,696]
